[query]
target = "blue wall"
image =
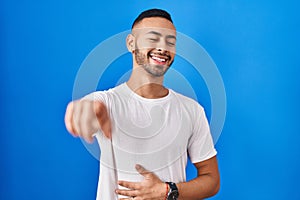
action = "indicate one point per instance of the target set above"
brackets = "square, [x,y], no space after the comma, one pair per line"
[255,45]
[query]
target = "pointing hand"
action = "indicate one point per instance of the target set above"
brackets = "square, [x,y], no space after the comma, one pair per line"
[84,117]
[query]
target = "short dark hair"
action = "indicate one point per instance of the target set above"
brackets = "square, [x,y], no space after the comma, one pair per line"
[152,13]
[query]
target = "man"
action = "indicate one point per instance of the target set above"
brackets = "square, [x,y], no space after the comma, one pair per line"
[147,127]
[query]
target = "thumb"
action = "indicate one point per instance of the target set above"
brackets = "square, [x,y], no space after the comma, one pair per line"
[144,172]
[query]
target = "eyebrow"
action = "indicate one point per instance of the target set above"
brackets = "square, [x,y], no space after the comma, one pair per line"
[159,34]
[155,33]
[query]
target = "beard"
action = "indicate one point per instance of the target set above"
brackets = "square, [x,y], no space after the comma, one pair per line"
[142,60]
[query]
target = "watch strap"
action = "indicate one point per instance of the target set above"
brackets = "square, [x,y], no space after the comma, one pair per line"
[172,185]
[173,191]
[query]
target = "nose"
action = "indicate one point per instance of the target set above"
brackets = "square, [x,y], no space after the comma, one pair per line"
[161,50]
[162,46]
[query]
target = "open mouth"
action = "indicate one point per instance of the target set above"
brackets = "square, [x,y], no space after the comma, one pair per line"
[159,59]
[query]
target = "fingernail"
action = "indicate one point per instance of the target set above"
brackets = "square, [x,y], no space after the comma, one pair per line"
[137,166]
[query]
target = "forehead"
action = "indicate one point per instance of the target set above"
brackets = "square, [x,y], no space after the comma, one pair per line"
[156,24]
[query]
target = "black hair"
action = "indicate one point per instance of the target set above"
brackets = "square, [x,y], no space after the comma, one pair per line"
[152,13]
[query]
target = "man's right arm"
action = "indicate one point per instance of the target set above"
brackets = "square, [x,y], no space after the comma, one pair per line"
[85,117]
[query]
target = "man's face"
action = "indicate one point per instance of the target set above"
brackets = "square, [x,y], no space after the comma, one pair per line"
[155,42]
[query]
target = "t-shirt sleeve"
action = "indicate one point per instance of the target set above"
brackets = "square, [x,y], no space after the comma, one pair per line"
[97,96]
[201,146]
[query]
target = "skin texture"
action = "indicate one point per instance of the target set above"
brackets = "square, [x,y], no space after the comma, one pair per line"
[151,41]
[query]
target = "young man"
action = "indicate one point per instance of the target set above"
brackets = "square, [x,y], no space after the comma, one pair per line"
[144,125]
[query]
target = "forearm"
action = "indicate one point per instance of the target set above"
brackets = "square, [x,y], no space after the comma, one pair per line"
[203,186]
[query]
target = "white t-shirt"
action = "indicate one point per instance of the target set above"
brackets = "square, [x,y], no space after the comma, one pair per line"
[159,134]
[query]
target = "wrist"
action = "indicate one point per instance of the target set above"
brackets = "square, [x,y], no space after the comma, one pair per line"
[161,191]
[166,191]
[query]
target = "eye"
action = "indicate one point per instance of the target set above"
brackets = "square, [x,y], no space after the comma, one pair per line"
[171,44]
[153,39]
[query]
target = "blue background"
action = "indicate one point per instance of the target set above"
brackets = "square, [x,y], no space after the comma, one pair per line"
[254,44]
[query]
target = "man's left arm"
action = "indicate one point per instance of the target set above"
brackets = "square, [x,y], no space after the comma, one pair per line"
[206,184]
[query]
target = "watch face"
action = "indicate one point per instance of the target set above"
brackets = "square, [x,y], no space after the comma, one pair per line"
[173,195]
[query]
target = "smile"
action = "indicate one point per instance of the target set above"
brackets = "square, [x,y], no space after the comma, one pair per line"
[159,59]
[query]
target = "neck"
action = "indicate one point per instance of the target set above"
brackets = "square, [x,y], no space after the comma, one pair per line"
[147,85]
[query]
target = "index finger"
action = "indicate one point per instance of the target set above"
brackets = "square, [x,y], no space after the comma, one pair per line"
[129,185]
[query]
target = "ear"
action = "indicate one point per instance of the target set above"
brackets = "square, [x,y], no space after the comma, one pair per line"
[130,43]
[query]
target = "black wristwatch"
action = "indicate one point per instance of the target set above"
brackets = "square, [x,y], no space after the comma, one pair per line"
[173,191]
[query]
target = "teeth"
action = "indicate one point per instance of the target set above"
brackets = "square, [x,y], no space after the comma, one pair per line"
[159,59]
